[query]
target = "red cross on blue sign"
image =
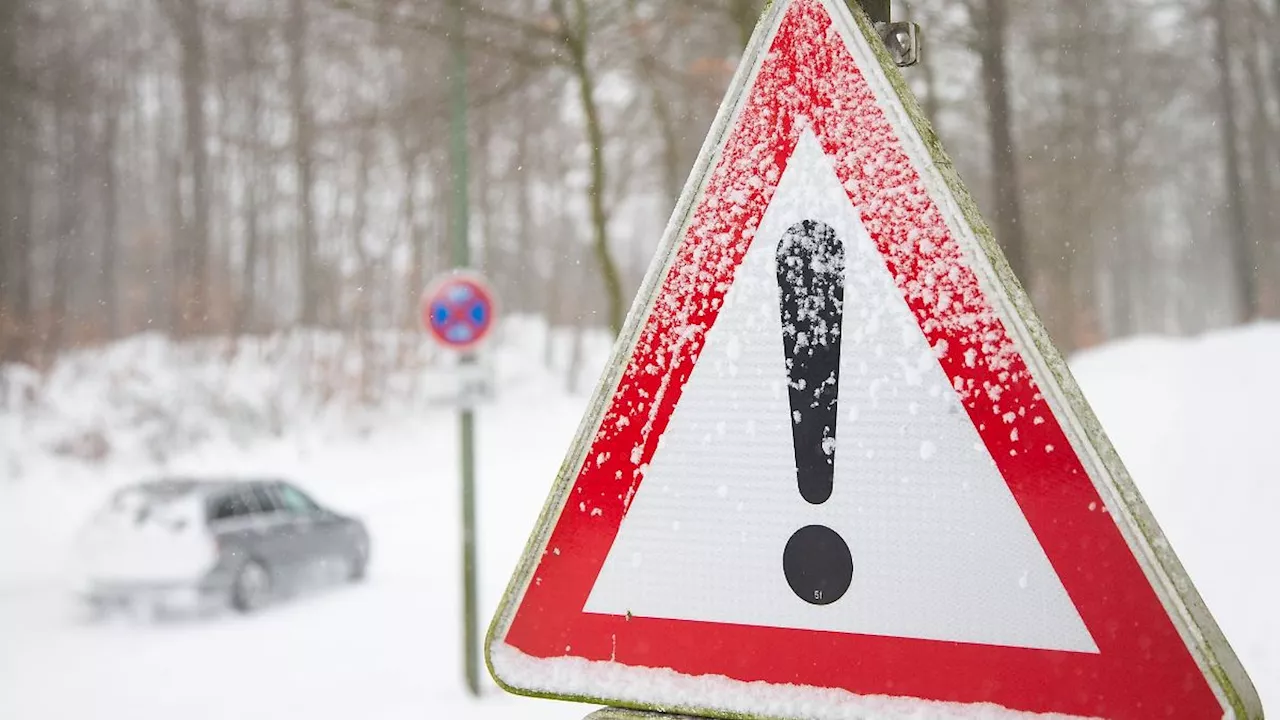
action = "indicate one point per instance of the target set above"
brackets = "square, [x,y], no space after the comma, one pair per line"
[458,311]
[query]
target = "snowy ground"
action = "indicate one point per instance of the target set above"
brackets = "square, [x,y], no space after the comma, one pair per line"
[1195,421]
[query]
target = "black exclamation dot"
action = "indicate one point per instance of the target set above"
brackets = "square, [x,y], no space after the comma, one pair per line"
[816,561]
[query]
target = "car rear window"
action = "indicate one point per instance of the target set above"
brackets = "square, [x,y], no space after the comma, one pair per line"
[142,506]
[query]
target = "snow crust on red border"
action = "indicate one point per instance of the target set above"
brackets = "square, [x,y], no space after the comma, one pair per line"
[640,685]
[809,79]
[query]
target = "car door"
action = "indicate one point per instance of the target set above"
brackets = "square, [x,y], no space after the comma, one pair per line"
[319,541]
[281,537]
[233,522]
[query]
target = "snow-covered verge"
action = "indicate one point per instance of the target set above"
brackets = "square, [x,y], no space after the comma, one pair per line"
[1195,421]
[147,400]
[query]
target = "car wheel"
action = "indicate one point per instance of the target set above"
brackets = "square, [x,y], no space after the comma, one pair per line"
[356,567]
[358,563]
[251,588]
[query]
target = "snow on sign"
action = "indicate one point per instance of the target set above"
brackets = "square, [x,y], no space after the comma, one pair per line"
[835,469]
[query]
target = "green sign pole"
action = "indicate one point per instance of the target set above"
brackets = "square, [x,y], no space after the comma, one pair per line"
[466,418]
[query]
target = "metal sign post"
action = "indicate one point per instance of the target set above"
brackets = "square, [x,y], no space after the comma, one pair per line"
[459,311]
[466,418]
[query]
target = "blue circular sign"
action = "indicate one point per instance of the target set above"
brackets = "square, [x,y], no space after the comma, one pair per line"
[459,311]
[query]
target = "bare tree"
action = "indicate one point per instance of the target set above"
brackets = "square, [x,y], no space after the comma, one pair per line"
[250,40]
[991,22]
[15,191]
[69,142]
[574,27]
[1261,137]
[1243,264]
[296,37]
[109,159]
[187,18]
[1274,46]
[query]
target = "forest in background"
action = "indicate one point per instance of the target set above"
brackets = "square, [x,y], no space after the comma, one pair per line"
[220,168]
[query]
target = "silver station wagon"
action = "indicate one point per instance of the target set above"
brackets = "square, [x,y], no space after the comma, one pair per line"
[186,545]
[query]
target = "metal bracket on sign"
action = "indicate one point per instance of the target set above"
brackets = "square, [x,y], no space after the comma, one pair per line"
[903,41]
[901,38]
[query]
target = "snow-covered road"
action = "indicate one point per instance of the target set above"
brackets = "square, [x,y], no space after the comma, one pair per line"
[388,648]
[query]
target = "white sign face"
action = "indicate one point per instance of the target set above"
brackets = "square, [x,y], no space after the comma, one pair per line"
[835,470]
[940,549]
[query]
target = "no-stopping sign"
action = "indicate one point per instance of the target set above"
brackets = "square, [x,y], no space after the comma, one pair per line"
[458,310]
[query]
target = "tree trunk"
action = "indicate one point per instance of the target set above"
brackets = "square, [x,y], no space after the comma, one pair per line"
[1131,256]
[576,44]
[992,28]
[179,251]
[17,193]
[526,272]
[267,315]
[409,160]
[20,266]
[480,173]
[111,233]
[308,286]
[932,104]
[245,307]
[744,14]
[9,174]
[1242,261]
[1275,60]
[1081,311]
[561,242]
[247,313]
[1261,212]
[14,177]
[361,315]
[68,131]
[577,306]
[194,74]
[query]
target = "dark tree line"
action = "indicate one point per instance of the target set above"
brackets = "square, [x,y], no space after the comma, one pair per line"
[202,167]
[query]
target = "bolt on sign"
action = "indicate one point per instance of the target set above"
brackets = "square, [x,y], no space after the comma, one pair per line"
[835,468]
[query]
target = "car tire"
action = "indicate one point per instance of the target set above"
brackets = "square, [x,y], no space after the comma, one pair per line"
[356,567]
[358,562]
[251,587]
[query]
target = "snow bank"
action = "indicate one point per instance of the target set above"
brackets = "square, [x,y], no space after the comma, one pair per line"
[150,400]
[1197,423]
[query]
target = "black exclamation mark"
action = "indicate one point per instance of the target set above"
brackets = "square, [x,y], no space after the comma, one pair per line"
[816,561]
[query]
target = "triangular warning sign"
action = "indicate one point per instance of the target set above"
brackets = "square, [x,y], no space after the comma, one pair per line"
[836,470]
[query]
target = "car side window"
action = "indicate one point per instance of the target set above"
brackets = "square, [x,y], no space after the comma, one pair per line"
[231,505]
[265,500]
[295,500]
